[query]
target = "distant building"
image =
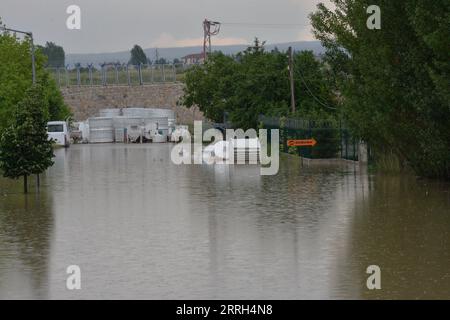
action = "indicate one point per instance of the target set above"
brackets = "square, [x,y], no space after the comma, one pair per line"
[196,58]
[110,64]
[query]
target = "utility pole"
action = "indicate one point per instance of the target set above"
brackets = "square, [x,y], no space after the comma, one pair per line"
[33,64]
[210,28]
[291,78]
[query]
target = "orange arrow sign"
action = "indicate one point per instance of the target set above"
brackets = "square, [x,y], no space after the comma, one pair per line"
[302,143]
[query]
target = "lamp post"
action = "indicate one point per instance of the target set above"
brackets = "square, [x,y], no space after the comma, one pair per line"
[30,34]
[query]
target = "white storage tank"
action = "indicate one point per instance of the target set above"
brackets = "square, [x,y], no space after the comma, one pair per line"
[134,112]
[124,122]
[101,135]
[84,128]
[100,122]
[162,113]
[120,135]
[101,130]
[110,113]
[162,122]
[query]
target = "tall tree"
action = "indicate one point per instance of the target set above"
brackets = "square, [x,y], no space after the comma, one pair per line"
[55,55]
[138,56]
[24,146]
[257,82]
[394,81]
[15,79]
[314,93]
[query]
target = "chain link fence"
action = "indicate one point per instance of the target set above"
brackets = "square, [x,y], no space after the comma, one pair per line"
[333,138]
[118,74]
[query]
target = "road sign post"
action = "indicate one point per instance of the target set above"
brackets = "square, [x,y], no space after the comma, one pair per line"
[302,143]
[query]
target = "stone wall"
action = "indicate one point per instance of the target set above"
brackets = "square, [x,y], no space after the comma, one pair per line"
[86,101]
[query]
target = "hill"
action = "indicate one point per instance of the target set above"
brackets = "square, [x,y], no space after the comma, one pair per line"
[172,53]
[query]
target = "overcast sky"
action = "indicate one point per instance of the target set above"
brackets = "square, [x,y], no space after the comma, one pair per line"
[116,25]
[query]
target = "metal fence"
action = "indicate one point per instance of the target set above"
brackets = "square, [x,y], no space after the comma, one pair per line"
[118,74]
[333,138]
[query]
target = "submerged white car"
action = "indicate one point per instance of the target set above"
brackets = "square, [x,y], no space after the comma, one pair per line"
[59,132]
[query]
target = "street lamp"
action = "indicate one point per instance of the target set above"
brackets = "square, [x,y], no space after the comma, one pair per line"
[30,34]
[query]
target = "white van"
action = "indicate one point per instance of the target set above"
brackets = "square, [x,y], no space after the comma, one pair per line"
[59,132]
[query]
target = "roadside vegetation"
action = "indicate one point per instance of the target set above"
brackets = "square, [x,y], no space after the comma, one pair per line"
[394,81]
[25,109]
[256,82]
[24,146]
[16,78]
[390,86]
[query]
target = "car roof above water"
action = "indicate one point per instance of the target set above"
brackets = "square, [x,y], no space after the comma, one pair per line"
[56,122]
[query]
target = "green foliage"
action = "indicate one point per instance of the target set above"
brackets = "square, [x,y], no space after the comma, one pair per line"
[16,78]
[161,61]
[314,95]
[55,55]
[256,82]
[388,162]
[57,108]
[24,145]
[328,144]
[394,81]
[209,86]
[138,56]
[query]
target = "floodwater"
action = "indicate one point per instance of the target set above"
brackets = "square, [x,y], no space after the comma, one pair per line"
[140,227]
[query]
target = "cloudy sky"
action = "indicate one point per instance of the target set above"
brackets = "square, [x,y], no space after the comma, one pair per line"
[116,25]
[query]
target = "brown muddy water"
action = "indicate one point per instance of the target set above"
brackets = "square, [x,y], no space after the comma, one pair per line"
[140,227]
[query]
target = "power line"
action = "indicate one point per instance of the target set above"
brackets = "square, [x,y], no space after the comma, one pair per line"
[312,94]
[266,25]
[212,28]
[291,77]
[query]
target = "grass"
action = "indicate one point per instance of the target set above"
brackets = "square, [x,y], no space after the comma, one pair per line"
[389,163]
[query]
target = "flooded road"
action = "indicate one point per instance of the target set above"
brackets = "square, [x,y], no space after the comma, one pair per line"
[140,227]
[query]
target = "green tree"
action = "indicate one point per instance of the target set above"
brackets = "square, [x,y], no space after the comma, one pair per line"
[210,85]
[16,78]
[394,81]
[314,94]
[55,55]
[256,82]
[24,145]
[161,61]
[138,56]
[261,85]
